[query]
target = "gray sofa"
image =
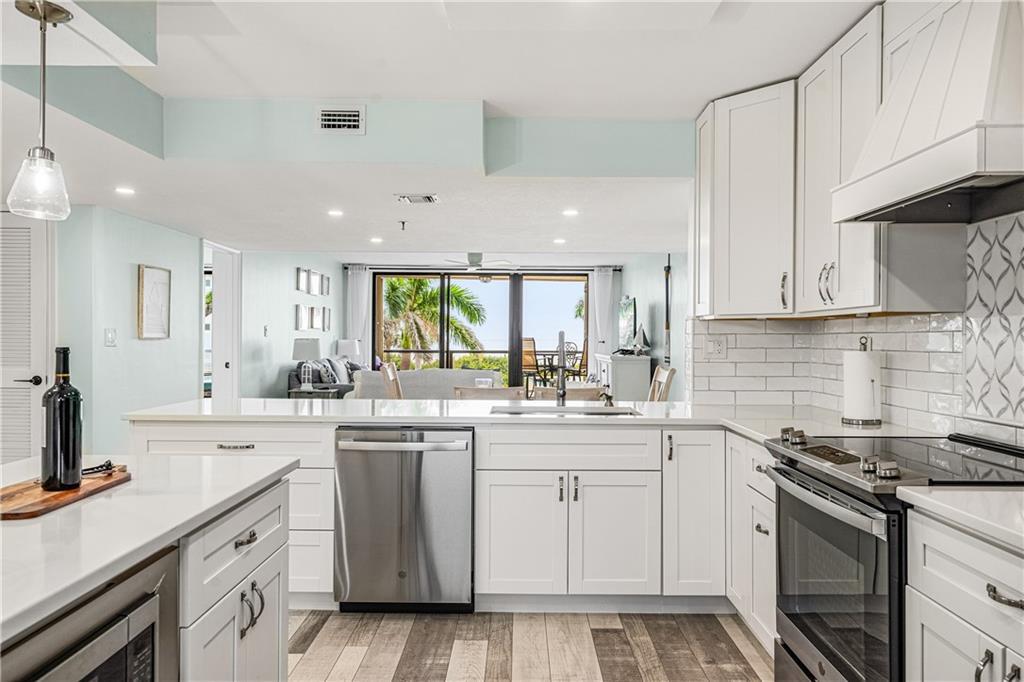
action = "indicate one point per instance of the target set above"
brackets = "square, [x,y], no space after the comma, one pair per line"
[437,384]
[294,382]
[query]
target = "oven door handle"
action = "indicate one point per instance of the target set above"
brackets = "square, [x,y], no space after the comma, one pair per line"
[873,523]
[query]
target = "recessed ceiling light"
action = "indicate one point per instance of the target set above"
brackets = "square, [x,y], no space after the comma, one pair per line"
[570,212]
[559,240]
[376,240]
[335,213]
[124,190]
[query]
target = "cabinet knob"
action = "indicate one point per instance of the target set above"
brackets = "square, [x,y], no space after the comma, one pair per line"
[761,529]
[1013,675]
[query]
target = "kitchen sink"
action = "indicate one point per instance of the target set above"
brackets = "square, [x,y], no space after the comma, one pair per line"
[582,410]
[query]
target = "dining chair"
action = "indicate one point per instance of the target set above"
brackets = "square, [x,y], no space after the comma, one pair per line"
[531,367]
[494,393]
[579,369]
[661,383]
[551,393]
[392,386]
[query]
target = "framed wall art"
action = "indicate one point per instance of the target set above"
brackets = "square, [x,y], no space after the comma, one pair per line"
[154,297]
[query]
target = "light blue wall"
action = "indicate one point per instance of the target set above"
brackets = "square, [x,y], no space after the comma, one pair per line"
[547,147]
[102,96]
[269,298]
[643,276]
[98,252]
[442,133]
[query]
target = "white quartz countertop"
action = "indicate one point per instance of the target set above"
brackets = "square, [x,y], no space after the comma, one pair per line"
[754,421]
[996,512]
[50,561]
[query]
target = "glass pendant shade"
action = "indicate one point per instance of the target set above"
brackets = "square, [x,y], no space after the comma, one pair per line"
[39,191]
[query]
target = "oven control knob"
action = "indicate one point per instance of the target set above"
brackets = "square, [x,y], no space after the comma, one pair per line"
[869,464]
[787,431]
[888,470]
[797,437]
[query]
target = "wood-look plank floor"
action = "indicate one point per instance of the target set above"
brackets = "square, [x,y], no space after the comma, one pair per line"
[522,647]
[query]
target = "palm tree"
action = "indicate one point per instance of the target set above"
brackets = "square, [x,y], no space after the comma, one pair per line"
[578,313]
[412,317]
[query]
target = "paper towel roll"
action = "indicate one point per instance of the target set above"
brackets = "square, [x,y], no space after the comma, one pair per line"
[862,387]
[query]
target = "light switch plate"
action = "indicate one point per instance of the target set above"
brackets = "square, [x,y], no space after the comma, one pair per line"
[110,337]
[714,347]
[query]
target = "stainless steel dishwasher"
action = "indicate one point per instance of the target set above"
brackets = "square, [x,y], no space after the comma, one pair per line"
[404,519]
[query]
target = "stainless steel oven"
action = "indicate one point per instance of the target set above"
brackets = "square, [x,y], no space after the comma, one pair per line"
[126,631]
[839,596]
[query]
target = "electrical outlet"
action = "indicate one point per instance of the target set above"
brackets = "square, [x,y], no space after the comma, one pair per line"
[714,347]
[110,337]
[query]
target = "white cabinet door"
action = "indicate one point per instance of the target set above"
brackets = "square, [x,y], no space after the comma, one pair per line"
[693,552]
[817,172]
[737,524]
[940,646]
[311,499]
[615,532]
[311,561]
[211,647]
[1014,668]
[265,645]
[703,210]
[762,562]
[853,278]
[521,532]
[753,201]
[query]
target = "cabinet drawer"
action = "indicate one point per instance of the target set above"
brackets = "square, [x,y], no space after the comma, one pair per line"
[310,561]
[561,448]
[313,446]
[311,499]
[955,569]
[758,460]
[213,559]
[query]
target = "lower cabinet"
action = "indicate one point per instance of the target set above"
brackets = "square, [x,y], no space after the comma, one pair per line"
[244,635]
[311,561]
[763,569]
[568,532]
[737,513]
[941,646]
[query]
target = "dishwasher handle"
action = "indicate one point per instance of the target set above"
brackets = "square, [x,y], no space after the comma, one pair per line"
[402,446]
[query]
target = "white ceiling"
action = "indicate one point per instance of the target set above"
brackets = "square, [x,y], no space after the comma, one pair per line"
[283,206]
[566,59]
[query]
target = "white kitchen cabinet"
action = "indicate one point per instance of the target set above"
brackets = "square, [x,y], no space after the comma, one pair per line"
[311,561]
[837,266]
[243,636]
[941,646]
[521,532]
[761,534]
[627,377]
[615,532]
[693,551]
[311,499]
[703,211]
[752,215]
[737,521]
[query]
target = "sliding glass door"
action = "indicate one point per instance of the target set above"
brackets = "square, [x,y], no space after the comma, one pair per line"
[478,318]
[407,318]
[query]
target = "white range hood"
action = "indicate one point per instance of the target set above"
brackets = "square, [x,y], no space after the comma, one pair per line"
[947,144]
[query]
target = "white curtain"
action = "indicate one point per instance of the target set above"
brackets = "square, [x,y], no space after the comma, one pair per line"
[359,309]
[603,334]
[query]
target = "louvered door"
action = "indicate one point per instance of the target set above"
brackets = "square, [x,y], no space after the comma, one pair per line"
[24,269]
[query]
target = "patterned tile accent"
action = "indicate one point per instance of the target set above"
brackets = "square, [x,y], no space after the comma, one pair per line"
[994,320]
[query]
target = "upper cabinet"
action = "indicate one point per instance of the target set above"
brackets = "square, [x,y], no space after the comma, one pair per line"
[836,264]
[752,202]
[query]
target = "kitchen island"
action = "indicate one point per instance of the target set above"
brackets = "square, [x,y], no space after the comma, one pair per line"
[56,563]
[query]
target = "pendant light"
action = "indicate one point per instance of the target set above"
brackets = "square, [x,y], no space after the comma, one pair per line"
[39,190]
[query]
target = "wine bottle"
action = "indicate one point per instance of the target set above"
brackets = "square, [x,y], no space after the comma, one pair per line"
[62,438]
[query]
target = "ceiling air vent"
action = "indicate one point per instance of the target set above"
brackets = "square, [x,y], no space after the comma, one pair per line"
[344,120]
[417,198]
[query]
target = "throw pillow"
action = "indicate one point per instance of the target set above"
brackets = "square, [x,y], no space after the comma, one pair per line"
[340,370]
[354,366]
[327,374]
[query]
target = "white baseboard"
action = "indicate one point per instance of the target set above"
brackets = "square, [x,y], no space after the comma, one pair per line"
[313,601]
[528,603]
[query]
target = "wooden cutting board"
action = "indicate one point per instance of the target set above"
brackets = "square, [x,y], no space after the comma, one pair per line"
[27,500]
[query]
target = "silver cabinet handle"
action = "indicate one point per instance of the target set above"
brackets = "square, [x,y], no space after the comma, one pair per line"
[263,602]
[761,529]
[759,468]
[994,595]
[820,276]
[1013,675]
[982,664]
[248,540]
[561,488]
[383,446]
[828,282]
[236,446]
[252,616]
[575,488]
[671,447]
[782,289]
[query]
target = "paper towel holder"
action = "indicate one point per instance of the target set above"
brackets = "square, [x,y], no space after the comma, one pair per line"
[864,342]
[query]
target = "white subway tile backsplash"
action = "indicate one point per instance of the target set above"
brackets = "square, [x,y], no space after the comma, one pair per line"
[932,341]
[902,397]
[764,369]
[736,327]
[714,398]
[894,415]
[928,381]
[888,342]
[838,326]
[946,404]
[894,377]
[764,398]
[928,421]
[907,360]
[907,323]
[737,383]
[869,324]
[824,371]
[714,369]
[828,402]
[791,354]
[946,322]
[764,340]
[746,354]
[792,383]
[946,362]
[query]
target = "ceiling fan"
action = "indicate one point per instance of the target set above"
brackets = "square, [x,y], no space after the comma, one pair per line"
[475,261]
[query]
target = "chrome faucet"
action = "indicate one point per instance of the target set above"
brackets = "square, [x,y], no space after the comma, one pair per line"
[560,367]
